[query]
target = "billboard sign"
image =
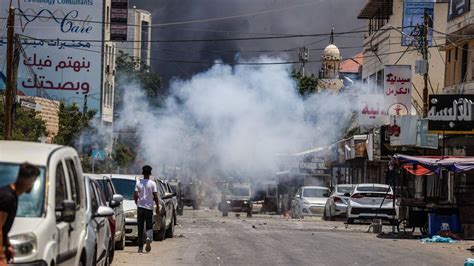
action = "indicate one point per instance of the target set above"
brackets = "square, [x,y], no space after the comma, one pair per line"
[397,89]
[458,7]
[413,16]
[406,133]
[372,110]
[451,113]
[62,42]
[118,20]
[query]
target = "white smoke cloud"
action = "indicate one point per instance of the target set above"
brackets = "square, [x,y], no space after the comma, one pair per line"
[234,120]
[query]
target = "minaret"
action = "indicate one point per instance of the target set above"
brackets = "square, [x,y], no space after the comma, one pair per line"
[331,60]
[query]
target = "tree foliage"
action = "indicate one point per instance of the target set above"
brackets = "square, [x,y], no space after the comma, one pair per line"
[71,123]
[306,85]
[27,125]
[136,72]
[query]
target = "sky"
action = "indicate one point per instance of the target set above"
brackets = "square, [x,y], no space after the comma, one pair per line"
[289,17]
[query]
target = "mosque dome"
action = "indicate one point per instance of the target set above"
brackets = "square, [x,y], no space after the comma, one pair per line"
[331,52]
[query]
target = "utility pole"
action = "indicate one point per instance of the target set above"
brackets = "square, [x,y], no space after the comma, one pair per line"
[303,58]
[9,92]
[424,52]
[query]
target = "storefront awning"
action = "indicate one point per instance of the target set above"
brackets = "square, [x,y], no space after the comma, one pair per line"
[423,165]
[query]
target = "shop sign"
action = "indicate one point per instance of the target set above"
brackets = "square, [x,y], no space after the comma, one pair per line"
[405,135]
[413,16]
[451,114]
[458,7]
[397,89]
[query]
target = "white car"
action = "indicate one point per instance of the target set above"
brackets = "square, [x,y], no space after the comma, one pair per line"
[115,201]
[309,201]
[369,201]
[99,233]
[163,224]
[50,226]
[336,206]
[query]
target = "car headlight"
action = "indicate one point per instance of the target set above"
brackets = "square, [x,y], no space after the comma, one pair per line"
[131,214]
[228,202]
[23,245]
[245,202]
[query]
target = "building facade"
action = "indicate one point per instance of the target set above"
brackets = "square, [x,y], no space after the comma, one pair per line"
[138,44]
[47,110]
[388,21]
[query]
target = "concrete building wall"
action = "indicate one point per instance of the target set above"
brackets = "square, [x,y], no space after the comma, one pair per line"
[387,44]
[138,30]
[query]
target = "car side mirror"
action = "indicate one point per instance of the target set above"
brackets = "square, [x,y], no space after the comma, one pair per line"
[347,194]
[116,200]
[104,211]
[68,211]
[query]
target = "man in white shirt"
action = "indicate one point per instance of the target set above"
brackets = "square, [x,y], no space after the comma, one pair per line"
[145,195]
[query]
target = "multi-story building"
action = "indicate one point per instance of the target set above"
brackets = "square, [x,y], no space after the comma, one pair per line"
[392,39]
[47,110]
[138,44]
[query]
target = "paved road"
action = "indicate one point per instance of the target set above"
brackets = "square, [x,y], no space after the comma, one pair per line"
[205,238]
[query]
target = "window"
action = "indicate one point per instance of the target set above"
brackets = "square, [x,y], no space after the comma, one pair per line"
[61,189]
[94,198]
[464,63]
[74,181]
[449,56]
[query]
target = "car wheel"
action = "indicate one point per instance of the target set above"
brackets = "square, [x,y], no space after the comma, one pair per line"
[111,252]
[195,206]
[331,217]
[120,245]
[170,230]
[249,213]
[325,215]
[350,220]
[225,214]
[160,235]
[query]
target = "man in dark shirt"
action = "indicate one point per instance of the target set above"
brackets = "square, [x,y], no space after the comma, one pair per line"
[8,205]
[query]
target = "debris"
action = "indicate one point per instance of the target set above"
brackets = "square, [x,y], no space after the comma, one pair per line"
[312,234]
[179,235]
[223,222]
[438,239]
[264,223]
[218,258]
[469,262]
[253,226]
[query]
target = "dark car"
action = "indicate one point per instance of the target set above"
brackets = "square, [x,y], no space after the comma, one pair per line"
[176,186]
[193,194]
[167,217]
[236,198]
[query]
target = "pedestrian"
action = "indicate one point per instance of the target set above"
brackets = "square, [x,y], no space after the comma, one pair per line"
[9,194]
[145,194]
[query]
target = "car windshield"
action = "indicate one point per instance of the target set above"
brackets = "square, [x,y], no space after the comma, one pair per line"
[240,191]
[372,189]
[29,204]
[124,187]
[345,189]
[315,192]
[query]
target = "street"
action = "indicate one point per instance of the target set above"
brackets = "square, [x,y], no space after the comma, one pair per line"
[203,237]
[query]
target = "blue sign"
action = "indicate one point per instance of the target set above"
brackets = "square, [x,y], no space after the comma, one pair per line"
[413,17]
[98,155]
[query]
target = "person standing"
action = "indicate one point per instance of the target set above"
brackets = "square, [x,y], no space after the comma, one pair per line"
[145,194]
[26,177]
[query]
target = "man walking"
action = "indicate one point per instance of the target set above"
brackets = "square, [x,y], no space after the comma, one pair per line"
[145,194]
[26,177]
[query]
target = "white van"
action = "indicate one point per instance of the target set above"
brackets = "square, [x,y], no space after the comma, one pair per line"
[50,225]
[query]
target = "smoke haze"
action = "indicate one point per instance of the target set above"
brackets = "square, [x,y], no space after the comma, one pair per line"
[234,120]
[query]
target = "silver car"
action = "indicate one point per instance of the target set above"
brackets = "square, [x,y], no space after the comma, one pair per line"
[98,232]
[309,201]
[336,206]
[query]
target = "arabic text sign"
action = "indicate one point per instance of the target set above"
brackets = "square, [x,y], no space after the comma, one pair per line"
[397,89]
[451,113]
[372,110]
[458,7]
[413,16]
[61,63]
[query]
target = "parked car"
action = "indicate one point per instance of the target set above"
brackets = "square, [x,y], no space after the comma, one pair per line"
[177,188]
[115,201]
[125,185]
[168,213]
[309,201]
[50,226]
[193,194]
[236,197]
[368,201]
[99,230]
[336,205]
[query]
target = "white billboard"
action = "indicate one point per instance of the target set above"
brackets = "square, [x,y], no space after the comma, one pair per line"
[397,89]
[62,42]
